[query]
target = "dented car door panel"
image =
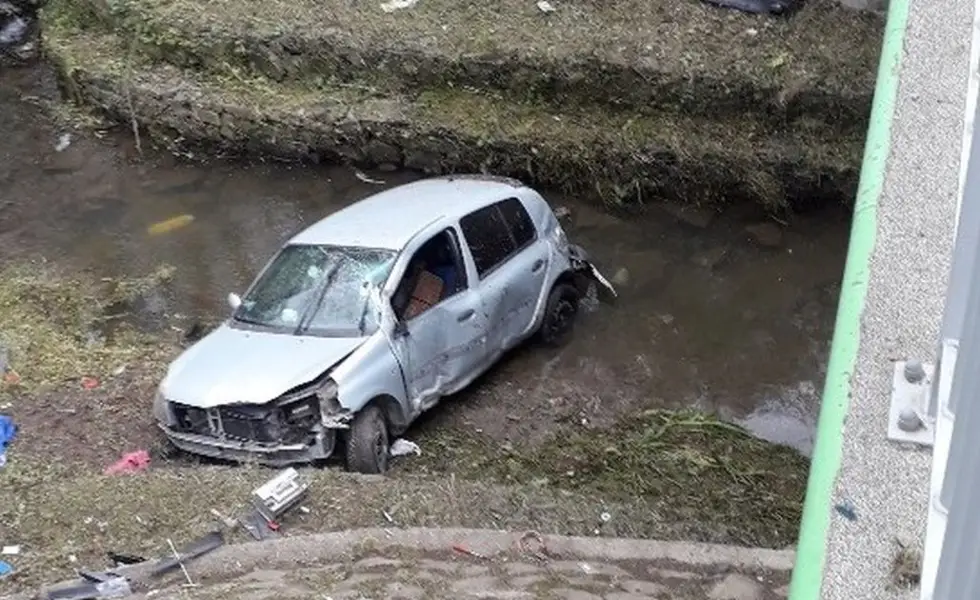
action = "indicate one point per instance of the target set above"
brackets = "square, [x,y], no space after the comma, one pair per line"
[441,347]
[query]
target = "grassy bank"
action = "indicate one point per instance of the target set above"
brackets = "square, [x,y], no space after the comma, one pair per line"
[641,55]
[614,156]
[661,475]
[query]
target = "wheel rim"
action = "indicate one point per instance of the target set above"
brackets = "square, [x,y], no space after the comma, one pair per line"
[561,318]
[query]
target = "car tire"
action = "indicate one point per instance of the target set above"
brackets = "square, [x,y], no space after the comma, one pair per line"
[558,321]
[368,445]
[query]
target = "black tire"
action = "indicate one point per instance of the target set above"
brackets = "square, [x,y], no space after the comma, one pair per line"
[558,322]
[367,442]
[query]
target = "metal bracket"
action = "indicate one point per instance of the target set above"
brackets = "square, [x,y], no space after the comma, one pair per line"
[908,420]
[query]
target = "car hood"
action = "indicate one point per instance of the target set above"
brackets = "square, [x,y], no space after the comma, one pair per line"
[234,366]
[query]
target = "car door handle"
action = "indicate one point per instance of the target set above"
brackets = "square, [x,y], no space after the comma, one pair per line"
[537,265]
[466,315]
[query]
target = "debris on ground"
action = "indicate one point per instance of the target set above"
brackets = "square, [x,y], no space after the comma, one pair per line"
[757,7]
[10,550]
[360,175]
[169,225]
[271,501]
[403,447]
[132,462]
[464,550]
[5,569]
[124,559]
[64,140]
[545,6]
[90,383]
[8,431]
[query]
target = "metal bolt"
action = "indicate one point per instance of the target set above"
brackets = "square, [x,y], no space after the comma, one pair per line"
[909,421]
[914,371]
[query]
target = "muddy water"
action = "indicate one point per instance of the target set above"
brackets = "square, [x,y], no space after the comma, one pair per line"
[708,317]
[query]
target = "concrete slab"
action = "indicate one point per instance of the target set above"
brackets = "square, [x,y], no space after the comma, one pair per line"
[888,484]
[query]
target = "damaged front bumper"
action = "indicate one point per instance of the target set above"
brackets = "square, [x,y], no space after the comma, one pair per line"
[584,267]
[271,455]
[298,428]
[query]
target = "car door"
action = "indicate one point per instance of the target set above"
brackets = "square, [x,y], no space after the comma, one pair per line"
[524,271]
[508,267]
[440,340]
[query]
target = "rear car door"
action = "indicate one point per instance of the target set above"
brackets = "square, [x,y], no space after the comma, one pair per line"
[510,266]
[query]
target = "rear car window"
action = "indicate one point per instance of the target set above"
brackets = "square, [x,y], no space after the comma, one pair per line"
[488,237]
[516,217]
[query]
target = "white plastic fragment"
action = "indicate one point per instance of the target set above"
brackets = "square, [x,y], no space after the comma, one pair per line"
[403,447]
[545,6]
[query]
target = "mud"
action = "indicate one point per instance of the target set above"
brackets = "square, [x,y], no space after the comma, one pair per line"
[709,316]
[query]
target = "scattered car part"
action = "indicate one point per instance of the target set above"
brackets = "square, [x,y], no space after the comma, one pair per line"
[195,549]
[280,494]
[124,559]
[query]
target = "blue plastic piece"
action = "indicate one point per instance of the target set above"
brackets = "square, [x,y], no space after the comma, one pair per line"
[8,430]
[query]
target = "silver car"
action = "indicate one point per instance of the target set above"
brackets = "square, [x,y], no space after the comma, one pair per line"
[370,316]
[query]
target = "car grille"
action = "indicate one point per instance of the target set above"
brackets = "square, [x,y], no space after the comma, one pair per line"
[262,424]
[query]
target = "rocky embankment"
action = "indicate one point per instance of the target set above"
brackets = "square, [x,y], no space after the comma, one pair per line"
[621,101]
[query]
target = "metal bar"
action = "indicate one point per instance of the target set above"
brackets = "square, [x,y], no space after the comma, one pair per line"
[965,249]
[958,577]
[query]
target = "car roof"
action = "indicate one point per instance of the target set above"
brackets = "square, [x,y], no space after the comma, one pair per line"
[389,219]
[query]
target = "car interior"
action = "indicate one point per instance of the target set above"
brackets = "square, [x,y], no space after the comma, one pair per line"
[435,273]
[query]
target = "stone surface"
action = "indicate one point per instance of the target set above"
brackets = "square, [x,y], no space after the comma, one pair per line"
[414,577]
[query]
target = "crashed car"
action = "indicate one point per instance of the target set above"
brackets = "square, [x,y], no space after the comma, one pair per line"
[370,316]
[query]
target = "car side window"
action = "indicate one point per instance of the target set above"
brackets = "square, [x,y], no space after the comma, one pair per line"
[434,273]
[488,237]
[519,222]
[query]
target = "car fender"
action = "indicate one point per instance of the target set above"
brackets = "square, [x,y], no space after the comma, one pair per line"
[372,371]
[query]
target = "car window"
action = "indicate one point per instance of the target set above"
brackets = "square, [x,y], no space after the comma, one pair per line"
[434,273]
[488,237]
[519,222]
[318,290]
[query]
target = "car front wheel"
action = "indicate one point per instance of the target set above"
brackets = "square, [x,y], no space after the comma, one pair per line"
[559,315]
[367,442]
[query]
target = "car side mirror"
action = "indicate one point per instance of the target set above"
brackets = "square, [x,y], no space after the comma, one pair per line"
[234,301]
[401,328]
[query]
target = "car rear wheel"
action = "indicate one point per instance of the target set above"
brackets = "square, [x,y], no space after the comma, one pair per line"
[559,315]
[367,442]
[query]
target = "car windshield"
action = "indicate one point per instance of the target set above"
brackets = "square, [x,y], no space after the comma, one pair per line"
[318,290]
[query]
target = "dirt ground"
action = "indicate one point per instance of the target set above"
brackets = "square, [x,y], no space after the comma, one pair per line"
[656,474]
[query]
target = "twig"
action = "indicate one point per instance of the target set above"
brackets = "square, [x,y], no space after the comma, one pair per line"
[180,562]
[128,82]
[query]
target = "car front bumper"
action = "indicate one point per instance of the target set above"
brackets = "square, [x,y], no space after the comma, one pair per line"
[263,454]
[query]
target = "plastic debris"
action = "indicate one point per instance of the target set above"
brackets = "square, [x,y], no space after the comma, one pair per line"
[393,5]
[129,463]
[64,140]
[10,550]
[403,447]
[361,176]
[545,6]
[5,569]
[90,383]
[8,431]
[170,224]
[464,550]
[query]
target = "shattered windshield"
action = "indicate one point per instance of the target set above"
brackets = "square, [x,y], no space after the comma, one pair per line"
[318,290]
